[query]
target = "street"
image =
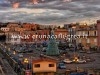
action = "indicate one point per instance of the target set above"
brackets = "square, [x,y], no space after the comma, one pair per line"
[7,69]
[37,52]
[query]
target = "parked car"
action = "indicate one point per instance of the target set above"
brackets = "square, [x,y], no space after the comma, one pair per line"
[82,51]
[89,52]
[81,61]
[20,55]
[61,65]
[68,61]
[44,49]
[88,60]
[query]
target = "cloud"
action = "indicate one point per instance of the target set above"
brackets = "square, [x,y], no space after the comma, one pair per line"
[50,11]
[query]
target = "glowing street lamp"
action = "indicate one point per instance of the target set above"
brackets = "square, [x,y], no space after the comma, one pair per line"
[26,62]
[76,59]
[9,49]
[5,47]
[14,52]
[73,33]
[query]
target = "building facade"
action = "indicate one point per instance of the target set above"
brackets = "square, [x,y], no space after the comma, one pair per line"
[87,36]
[29,26]
[44,66]
[5,29]
[98,34]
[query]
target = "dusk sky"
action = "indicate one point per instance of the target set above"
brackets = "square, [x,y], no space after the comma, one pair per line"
[49,11]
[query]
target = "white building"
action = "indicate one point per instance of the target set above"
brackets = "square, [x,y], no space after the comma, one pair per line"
[11,38]
[5,29]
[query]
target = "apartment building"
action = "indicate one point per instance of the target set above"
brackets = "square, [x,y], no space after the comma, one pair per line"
[87,35]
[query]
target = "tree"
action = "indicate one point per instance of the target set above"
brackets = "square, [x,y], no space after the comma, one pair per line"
[38,28]
[58,27]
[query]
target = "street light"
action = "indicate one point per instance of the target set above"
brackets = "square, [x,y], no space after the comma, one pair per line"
[26,62]
[9,49]
[76,59]
[14,52]
[74,41]
[5,47]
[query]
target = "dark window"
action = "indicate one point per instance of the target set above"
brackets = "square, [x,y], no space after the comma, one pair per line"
[15,39]
[37,65]
[51,65]
[88,33]
[94,33]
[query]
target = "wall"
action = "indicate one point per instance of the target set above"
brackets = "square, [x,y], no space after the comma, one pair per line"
[44,67]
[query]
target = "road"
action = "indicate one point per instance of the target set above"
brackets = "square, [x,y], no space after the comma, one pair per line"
[88,65]
[7,69]
[95,64]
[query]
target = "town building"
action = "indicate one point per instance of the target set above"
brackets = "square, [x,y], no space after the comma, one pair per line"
[19,29]
[4,29]
[61,34]
[98,34]
[44,66]
[47,26]
[43,34]
[12,37]
[87,35]
[28,36]
[12,26]
[29,26]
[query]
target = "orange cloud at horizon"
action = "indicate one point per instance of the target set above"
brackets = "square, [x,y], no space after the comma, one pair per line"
[35,1]
[67,0]
[15,5]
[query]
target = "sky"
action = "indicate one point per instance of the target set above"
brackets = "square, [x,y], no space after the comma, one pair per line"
[49,11]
